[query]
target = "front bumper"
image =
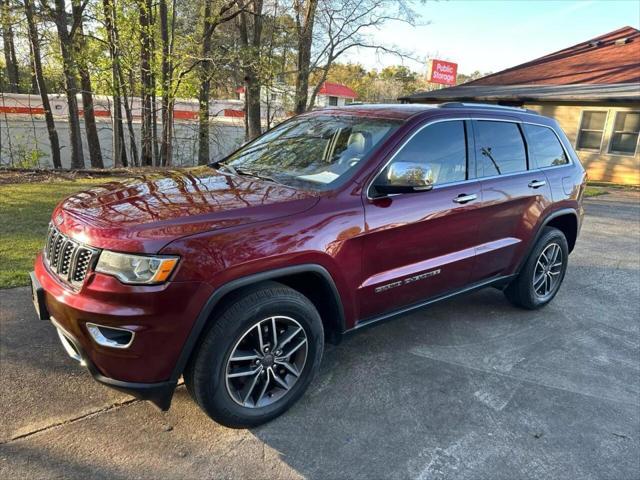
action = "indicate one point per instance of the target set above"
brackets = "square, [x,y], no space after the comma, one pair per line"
[161,317]
[160,393]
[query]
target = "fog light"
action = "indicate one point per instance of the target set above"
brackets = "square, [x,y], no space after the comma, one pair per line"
[110,336]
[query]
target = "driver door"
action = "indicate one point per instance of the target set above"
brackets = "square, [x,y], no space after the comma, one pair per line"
[421,245]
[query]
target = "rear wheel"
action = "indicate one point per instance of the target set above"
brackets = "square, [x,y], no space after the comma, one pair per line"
[543,273]
[258,358]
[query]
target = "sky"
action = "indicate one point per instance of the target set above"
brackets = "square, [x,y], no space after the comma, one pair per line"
[490,36]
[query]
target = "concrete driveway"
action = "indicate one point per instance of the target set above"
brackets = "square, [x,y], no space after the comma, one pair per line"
[472,388]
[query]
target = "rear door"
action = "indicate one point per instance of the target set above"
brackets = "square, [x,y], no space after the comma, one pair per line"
[422,244]
[514,195]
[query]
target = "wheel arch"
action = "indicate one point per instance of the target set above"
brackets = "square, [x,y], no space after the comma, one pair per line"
[566,220]
[312,280]
[567,223]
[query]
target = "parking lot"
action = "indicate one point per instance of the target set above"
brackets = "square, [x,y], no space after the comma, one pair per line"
[472,388]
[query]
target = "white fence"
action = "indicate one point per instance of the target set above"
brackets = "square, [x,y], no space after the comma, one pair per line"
[24,141]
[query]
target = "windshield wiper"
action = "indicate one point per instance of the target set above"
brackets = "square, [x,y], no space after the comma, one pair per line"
[258,175]
[227,167]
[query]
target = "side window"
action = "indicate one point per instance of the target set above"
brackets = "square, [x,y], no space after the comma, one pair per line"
[544,146]
[499,148]
[626,128]
[441,148]
[591,130]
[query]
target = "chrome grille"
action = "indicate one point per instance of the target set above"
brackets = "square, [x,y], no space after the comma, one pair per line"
[68,259]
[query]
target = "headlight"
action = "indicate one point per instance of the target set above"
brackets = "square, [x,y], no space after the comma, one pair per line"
[136,269]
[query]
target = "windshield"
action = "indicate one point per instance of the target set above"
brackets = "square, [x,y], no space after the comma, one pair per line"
[316,152]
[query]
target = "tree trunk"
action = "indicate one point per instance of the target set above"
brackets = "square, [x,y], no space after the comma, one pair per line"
[146,154]
[127,109]
[79,41]
[305,18]
[71,87]
[166,114]
[32,73]
[119,152]
[205,86]
[252,43]
[154,103]
[10,59]
[42,87]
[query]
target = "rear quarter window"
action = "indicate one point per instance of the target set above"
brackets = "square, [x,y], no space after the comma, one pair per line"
[544,147]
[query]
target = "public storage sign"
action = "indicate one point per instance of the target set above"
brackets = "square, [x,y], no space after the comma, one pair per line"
[442,72]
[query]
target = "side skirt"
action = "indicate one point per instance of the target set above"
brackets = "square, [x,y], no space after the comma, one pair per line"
[498,282]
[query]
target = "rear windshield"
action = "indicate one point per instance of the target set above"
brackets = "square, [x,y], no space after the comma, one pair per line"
[316,152]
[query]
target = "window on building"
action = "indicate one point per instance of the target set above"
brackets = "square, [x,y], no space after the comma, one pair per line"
[624,138]
[544,147]
[333,101]
[591,130]
[442,148]
[499,148]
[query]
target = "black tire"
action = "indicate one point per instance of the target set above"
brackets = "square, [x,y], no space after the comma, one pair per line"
[521,291]
[206,374]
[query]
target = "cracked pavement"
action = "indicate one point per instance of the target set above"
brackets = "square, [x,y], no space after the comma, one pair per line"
[470,388]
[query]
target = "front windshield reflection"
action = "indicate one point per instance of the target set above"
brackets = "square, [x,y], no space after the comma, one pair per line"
[316,152]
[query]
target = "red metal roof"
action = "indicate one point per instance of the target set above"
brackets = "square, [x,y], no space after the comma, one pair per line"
[607,59]
[337,90]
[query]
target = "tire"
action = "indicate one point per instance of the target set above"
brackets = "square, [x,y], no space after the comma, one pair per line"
[521,291]
[219,383]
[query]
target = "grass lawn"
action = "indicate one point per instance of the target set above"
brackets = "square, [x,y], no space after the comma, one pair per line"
[25,211]
[594,191]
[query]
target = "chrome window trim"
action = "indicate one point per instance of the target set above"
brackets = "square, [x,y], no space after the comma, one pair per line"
[613,131]
[469,180]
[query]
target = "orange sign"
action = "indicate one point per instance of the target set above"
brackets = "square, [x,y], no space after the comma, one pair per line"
[442,72]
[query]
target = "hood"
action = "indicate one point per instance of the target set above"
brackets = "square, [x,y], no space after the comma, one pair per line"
[145,213]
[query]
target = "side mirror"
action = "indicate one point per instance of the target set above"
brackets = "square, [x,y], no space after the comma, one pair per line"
[405,177]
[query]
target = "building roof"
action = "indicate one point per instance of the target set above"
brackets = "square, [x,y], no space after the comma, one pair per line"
[603,69]
[588,93]
[337,90]
[610,58]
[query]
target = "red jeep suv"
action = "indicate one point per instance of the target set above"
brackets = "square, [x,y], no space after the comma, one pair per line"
[232,275]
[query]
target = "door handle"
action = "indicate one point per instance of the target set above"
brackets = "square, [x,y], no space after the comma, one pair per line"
[537,183]
[463,198]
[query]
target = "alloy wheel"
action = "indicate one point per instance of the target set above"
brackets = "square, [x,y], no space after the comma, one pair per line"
[546,274]
[266,362]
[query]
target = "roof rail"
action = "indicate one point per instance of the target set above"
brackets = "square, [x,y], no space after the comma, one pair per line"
[488,106]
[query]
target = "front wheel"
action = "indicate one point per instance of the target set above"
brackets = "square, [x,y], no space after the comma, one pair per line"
[543,273]
[258,357]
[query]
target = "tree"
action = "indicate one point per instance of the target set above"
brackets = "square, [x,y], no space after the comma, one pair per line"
[119,152]
[464,78]
[167,34]
[250,26]
[343,26]
[91,130]
[215,14]
[34,43]
[10,58]
[305,14]
[60,18]
[146,81]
